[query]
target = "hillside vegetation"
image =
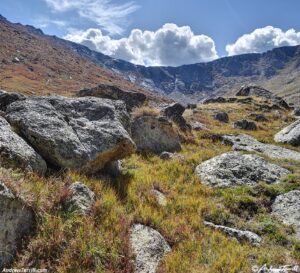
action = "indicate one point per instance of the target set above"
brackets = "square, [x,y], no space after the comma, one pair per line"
[99,242]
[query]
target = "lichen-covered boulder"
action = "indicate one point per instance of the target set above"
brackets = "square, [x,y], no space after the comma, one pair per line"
[16,221]
[155,134]
[16,153]
[76,133]
[149,247]
[290,134]
[237,169]
[287,208]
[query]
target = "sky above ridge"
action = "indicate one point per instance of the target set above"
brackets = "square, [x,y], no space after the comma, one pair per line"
[164,32]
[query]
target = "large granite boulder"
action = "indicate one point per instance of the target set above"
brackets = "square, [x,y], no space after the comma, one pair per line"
[6,98]
[149,247]
[16,153]
[287,208]
[16,221]
[80,200]
[253,90]
[250,144]
[155,134]
[131,99]
[81,133]
[240,235]
[237,169]
[290,134]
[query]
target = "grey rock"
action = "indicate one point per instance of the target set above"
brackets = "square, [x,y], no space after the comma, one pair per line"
[237,169]
[174,112]
[245,125]
[6,98]
[222,117]
[16,221]
[250,144]
[155,134]
[240,235]
[16,153]
[160,197]
[149,247]
[290,134]
[198,126]
[131,99]
[279,269]
[81,133]
[168,156]
[80,200]
[287,208]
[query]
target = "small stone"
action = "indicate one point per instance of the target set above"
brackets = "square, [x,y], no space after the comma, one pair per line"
[245,125]
[160,197]
[81,199]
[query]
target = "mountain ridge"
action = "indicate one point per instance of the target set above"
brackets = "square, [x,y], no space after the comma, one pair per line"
[277,70]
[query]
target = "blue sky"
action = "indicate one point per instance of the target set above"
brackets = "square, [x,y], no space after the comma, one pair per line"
[214,28]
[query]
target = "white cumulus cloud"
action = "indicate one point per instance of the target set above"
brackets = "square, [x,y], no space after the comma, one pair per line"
[263,39]
[170,45]
[110,17]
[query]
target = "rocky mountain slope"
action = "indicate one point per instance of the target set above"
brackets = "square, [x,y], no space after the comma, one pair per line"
[34,63]
[28,57]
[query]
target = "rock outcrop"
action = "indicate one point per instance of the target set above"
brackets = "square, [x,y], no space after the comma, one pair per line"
[16,221]
[290,134]
[82,133]
[245,125]
[131,99]
[287,208]
[240,235]
[155,134]
[16,153]
[80,200]
[250,144]
[253,90]
[222,117]
[237,169]
[149,247]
